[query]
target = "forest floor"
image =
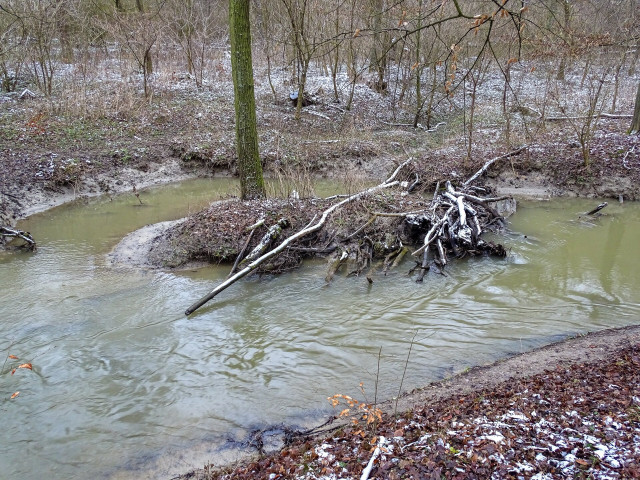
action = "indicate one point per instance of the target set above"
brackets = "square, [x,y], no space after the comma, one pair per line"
[516,419]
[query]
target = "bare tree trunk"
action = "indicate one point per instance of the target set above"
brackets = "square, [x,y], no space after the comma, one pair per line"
[635,124]
[263,24]
[418,67]
[472,111]
[353,67]
[476,79]
[434,78]
[378,59]
[249,165]
[505,105]
[147,62]
[304,68]
[634,61]
[566,35]
[66,46]
[335,61]
[616,82]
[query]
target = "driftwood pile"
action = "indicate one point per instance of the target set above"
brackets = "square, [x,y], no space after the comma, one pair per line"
[449,226]
[453,225]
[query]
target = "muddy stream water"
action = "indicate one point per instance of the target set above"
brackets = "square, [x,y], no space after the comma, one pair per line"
[125,386]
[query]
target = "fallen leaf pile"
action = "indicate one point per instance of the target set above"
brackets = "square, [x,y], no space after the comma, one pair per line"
[578,421]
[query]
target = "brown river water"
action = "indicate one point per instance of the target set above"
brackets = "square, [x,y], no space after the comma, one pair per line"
[125,386]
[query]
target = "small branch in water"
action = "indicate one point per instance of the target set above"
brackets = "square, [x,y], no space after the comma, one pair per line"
[26,236]
[597,209]
[424,267]
[136,193]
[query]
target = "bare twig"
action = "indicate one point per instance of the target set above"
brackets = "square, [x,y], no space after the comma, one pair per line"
[492,161]
[26,236]
[404,372]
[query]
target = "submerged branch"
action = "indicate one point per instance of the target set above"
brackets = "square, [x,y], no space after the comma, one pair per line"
[13,233]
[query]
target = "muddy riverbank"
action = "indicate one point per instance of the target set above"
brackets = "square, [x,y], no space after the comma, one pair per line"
[569,409]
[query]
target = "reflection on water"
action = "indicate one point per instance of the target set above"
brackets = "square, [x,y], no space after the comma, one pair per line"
[122,378]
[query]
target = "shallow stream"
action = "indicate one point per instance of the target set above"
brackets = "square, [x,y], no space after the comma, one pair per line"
[124,385]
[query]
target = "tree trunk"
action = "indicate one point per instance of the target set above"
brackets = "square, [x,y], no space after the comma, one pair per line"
[249,166]
[635,124]
[304,68]
[566,35]
[418,68]
[66,47]
[379,46]
[335,61]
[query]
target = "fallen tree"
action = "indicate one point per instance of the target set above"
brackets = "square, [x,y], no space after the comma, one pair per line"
[302,233]
[450,224]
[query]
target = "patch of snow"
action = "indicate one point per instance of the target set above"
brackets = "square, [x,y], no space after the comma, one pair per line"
[496,438]
[321,451]
[515,416]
